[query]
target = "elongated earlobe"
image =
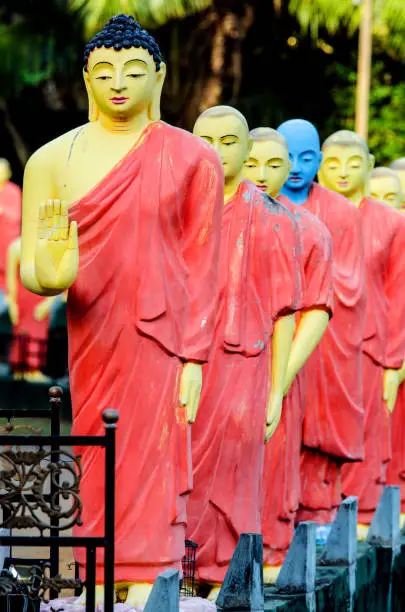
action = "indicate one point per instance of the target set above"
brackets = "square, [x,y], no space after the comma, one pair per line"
[154,107]
[93,108]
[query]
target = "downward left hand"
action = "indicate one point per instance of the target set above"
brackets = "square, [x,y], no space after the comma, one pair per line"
[390,388]
[274,409]
[43,308]
[190,389]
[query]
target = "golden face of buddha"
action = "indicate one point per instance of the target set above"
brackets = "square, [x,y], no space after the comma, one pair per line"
[122,83]
[345,168]
[386,189]
[230,137]
[268,166]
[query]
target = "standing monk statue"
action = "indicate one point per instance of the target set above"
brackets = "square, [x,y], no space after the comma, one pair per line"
[385,185]
[268,167]
[126,212]
[398,166]
[333,430]
[261,288]
[10,220]
[346,168]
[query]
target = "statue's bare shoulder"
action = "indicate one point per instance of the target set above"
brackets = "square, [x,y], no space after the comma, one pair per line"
[51,154]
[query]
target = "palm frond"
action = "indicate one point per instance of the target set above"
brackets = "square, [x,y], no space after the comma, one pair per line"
[150,13]
[388,22]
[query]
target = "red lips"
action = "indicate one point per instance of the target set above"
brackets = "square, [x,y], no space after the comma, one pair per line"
[121,100]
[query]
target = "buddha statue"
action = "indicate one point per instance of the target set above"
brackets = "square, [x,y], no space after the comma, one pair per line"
[10,217]
[398,166]
[29,315]
[333,425]
[115,212]
[385,186]
[269,166]
[241,403]
[346,167]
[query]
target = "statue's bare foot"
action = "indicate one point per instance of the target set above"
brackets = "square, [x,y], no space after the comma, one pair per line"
[81,601]
[138,593]
[362,531]
[37,376]
[213,594]
[270,573]
[402,520]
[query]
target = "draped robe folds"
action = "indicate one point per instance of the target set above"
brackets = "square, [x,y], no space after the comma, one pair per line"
[396,467]
[383,347]
[144,301]
[10,219]
[333,430]
[281,472]
[261,279]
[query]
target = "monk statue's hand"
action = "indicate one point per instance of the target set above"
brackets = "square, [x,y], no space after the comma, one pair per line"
[390,388]
[289,379]
[274,409]
[57,250]
[190,389]
[42,310]
[13,310]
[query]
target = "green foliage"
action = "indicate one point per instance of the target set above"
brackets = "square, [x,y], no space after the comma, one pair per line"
[332,15]
[312,15]
[150,13]
[387,110]
[35,45]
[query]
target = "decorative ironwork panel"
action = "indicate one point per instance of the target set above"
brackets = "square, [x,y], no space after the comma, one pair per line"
[56,583]
[32,483]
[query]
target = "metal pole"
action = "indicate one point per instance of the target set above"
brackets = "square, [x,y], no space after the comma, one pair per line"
[110,418]
[55,402]
[364,68]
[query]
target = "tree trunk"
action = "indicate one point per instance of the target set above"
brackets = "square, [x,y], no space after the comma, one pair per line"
[226,56]
[364,69]
[210,60]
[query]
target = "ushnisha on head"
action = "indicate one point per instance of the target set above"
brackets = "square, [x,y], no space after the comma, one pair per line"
[226,129]
[386,187]
[346,165]
[123,70]
[304,152]
[268,165]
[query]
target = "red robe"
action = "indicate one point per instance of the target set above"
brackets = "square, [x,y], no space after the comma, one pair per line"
[260,280]
[383,347]
[282,454]
[144,301]
[10,220]
[333,430]
[31,352]
[396,467]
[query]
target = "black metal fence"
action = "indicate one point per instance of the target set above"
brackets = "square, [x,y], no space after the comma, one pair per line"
[32,484]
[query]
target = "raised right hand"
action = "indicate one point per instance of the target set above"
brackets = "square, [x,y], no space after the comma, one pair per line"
[57,250]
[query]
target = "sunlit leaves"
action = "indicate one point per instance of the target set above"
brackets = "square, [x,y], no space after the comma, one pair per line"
[150,13]
[332,15]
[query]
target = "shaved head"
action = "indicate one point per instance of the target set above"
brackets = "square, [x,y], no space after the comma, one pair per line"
[265,134]
[398,164]
[223,111]
[346,138]
[382,171]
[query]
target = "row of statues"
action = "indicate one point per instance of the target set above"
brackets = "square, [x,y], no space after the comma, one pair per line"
[245,320]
